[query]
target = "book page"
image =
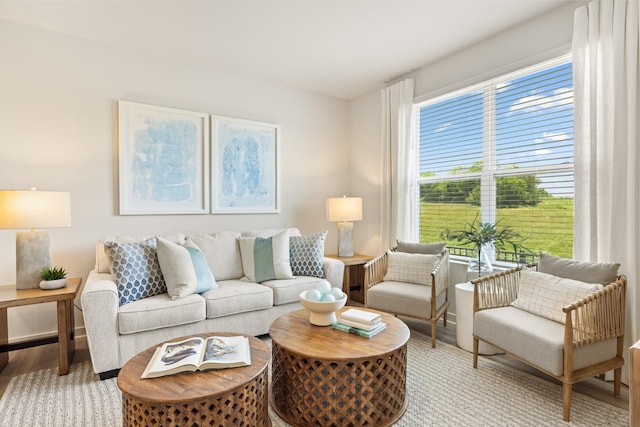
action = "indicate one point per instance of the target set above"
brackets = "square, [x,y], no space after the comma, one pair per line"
[224,350]
[172,355]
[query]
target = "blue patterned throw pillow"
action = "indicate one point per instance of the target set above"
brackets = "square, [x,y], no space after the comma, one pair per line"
[305,254]
[135,269]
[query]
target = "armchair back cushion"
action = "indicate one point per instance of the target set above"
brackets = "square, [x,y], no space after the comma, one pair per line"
[411,268]
[545,295]
[584,271]
[422,248]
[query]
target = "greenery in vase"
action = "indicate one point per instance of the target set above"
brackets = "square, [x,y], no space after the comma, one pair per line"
[480,234]
[53,273]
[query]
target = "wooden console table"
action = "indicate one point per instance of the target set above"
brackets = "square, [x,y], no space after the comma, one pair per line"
[12,297]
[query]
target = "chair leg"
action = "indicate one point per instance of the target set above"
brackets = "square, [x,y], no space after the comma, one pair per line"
[433,333]
[566,401]
[444,318]
[617,380]
[476,344]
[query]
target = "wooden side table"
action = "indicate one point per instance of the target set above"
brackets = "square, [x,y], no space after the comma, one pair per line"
[12,297]
[223,397]
[325,377]
[353,274]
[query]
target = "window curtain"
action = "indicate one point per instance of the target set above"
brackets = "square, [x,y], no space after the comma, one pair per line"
[398,165]
[607,149]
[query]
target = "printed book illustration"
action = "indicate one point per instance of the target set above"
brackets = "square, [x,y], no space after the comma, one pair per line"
[198,354]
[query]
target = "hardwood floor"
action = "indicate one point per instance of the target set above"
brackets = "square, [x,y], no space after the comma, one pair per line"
[43,357]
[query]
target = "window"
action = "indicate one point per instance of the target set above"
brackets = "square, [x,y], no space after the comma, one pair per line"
[501,151]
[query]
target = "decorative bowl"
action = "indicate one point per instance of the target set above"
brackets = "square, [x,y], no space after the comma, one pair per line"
[323,313]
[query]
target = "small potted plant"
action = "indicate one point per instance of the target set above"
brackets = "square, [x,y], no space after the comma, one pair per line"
[484,235]
[53,278]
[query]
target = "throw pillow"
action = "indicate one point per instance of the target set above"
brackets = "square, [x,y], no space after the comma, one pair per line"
[266,258]
[412,268]
[545,295]
[184,268]
[306,253]
[421,248]
[590,272]
[222,253]
[135,269]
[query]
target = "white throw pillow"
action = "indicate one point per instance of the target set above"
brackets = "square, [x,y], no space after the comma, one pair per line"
[222,252]
[412,268]
[184,268]
[545,295]
[266,258]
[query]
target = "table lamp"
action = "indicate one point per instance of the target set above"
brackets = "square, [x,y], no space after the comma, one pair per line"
[33,209]
[344,210]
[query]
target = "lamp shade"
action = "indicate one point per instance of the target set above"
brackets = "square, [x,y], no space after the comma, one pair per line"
[34,209]
[344,209]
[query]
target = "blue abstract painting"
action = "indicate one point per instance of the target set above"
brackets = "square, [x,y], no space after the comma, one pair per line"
[245,167]
[163,161]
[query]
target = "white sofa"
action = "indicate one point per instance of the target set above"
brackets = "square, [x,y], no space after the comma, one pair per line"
[115,332]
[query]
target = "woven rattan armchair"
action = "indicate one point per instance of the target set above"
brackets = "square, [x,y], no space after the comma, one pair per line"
[420,301]
[589,343]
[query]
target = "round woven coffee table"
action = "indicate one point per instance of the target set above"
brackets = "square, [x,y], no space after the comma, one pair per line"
[325,377]
[223,397]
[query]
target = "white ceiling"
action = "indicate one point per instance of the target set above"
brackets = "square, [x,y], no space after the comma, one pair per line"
[338,48]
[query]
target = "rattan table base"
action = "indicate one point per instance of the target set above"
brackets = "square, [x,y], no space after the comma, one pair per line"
[314,390]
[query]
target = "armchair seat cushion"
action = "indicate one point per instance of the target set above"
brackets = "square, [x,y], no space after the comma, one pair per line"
[402,298]
[536,339]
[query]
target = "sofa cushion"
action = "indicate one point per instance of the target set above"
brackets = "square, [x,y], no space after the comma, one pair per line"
[135,270]
[306,253]
[184,268]
[421,248]
[102,261]
[287,291]
[158,312]
[222,253]
[268,232]
[536,339]
[545,295]
[412,268]
[266,258]
[584,271]
[237,296]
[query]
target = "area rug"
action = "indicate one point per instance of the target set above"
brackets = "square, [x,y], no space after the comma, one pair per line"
[443,390]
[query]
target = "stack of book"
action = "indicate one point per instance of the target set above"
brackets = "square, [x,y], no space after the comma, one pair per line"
[360,322]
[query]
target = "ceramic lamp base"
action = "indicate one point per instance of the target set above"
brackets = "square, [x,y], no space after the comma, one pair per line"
[323,319]
[345,239]
[32,255]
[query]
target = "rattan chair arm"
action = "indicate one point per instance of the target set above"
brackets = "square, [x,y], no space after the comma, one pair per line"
[375,270]
[440,274]
[499,289]
[599,316]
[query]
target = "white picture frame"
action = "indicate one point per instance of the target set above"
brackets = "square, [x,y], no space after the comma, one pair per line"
[163,160]
[245,165]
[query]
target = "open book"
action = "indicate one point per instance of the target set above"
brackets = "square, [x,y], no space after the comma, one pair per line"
[198,354]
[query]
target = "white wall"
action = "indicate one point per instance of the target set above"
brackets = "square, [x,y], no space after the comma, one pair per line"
[541,39]
[58,131]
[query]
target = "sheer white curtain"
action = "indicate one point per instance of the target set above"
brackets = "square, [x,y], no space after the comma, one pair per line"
[398,165]
[607,149]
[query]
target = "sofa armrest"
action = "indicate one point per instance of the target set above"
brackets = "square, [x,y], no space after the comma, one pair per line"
[333,271]
[499,289]
[99,302]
